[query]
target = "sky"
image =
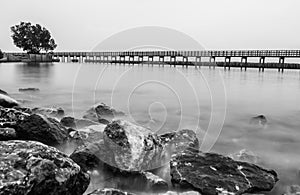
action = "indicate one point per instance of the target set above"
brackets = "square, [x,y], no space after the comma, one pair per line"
[79,25]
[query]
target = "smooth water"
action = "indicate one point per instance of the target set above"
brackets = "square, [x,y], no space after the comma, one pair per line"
[213,101]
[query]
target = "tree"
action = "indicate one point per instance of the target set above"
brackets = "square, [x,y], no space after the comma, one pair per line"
[32,38]
[1,54]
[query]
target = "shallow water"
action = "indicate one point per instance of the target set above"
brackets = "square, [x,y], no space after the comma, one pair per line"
[217,102]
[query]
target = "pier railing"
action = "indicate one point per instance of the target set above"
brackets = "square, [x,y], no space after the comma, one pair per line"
[204,53]
[184,58]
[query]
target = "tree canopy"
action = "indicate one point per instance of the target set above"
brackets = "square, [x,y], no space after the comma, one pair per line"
[32,38]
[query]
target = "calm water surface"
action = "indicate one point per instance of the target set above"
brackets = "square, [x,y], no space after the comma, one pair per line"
[217,102]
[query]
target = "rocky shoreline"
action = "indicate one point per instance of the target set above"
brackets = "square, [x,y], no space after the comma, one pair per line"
[42,151]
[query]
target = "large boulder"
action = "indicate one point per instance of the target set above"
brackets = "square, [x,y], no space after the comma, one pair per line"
[7,102]
[132,147]
[10,116]
[29,167]
[129,147]
[76,123]
[40,128]
[212,174]
[89,158]
[102,113]
[109,191]
[49,112]
[128,151]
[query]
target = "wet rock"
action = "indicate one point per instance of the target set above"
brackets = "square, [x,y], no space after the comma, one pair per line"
[102,113]
[129,147]
[10,116]
[154,182]
[182,193]
[211,174]
[293,190]
[89,157]
[109,191]
[7,134]
[93,157]
[180,140]
[29,89]
[84,137]
[132,147]
[7,102]
[245,156]
[49,112]
[3,92]
[76,123]
[40,128]
[68,122]
[90,134]
[23,109]
[259,120]
[29,167]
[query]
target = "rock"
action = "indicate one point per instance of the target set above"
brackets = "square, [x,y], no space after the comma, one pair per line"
[132,147]
[293,190]
[29,167]
[245,156]
[89,157]
[102,113]
[154,183]
[7,102]
[49,112]
[109,191]
[182,193]
[7,134]
[90,134]
[211,174]
[180,140]
[76,123]
[259,120]
[68,122]
[23,109]
[3,92]
[40,128]
[129,147]
[10,116]
[84,137]
[30,89]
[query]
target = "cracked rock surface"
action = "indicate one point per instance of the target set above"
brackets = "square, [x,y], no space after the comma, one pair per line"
[28,167]
[210,174]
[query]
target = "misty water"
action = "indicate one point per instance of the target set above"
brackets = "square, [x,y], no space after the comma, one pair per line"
[217,104]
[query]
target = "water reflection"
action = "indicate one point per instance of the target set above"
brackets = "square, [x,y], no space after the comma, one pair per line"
[34,73]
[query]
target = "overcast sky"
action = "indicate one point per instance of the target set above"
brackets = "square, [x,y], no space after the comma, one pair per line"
[216,24]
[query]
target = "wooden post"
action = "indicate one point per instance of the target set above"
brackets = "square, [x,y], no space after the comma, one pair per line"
[281,64]
[244,62]
[227,59]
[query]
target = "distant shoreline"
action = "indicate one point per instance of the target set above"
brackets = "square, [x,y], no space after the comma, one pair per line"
[9,58]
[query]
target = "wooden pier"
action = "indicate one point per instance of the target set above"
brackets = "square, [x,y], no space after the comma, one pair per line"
[188,58]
